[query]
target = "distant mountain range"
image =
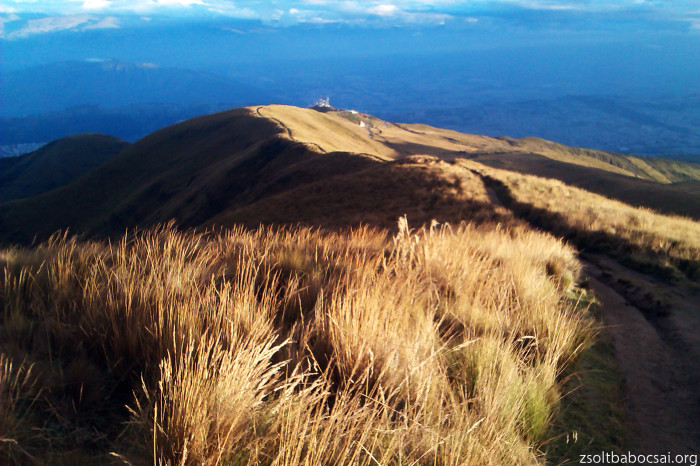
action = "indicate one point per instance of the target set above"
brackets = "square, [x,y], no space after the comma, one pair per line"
[126,100]
[130,122]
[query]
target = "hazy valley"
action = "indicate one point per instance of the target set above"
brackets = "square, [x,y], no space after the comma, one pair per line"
[130,100]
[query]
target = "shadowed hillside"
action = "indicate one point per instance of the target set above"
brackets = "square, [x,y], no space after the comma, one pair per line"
[56,164]
[223,165]
[423,188]
[244,165]
[188,171]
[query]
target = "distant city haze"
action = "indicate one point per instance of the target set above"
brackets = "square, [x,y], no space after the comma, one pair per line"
[618,76]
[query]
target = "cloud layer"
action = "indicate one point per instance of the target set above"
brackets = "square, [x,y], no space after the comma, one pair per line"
[341,8]
[91,14]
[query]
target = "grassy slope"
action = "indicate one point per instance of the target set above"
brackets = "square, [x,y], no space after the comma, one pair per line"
[663,185]
[672,170]
[678,198]
[646,240]
[56,164]
[203,168]
[610,162]
[217,166]
[422,188]
[189,172]
[284,165]
[341,131]
[441,346]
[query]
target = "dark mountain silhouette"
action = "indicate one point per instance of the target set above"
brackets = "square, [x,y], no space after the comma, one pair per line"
[55,164]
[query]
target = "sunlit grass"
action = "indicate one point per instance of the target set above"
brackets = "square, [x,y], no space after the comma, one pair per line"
[640,237]
[299,346]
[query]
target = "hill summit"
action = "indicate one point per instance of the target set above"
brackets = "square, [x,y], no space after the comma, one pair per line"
[280,164]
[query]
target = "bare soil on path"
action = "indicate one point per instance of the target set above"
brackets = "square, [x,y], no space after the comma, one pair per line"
[654,328]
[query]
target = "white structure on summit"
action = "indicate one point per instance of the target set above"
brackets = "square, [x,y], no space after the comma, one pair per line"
[323,103]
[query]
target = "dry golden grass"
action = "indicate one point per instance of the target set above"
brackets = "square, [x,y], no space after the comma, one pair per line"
[327,132]
[286,347]
[641,237]
[340,131]
[420,187]
[229,166]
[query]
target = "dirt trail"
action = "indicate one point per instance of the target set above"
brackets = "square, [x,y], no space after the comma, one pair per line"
[288,130]
[282,125]
[658,354]
[655,329]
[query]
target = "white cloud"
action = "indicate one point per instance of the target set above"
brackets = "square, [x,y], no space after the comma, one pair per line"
[319,20]
[8,18]
[551,6]
[384,10]
[370,12]
[49,24]
[380,7]
[178,3]
[234,30]
[63,23]
[230,9]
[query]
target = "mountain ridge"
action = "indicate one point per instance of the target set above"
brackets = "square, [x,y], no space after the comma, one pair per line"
[212,170]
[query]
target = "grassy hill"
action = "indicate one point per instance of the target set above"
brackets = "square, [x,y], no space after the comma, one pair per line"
[214,169]
[664,185]
[332,334]
[187,171]
[641,238]
[56,164]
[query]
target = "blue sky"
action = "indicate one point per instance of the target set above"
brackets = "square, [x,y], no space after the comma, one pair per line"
[23,18]
[401,55]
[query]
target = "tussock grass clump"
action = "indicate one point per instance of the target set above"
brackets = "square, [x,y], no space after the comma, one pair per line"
[289,346]
[17,393]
